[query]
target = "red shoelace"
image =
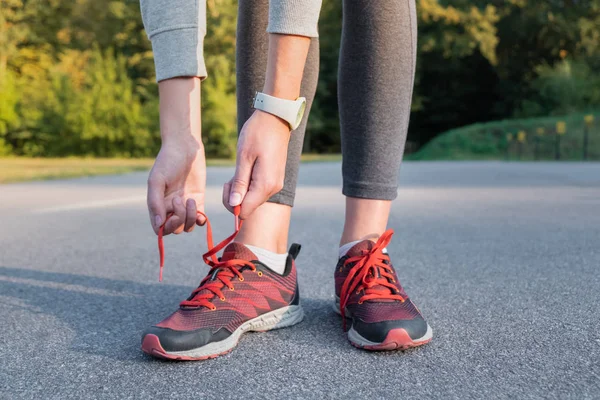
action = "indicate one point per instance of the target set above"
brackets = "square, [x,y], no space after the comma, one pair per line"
[220,274]
[370,271]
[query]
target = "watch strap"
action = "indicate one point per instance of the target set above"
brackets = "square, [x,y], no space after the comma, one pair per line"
[290,111]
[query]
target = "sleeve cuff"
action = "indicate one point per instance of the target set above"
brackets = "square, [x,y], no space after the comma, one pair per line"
[179,52]
[294,17]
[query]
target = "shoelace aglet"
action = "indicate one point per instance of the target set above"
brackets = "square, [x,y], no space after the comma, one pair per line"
[161,252]
[236,213]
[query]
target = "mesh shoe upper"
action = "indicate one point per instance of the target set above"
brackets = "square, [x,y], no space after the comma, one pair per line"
[255,291]
[371,294]
[260,291]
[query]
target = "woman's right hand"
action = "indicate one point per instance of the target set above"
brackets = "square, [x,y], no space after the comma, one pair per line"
[176,185]
[178,178]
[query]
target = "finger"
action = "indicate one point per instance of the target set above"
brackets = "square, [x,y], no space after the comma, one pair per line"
[175,224]
[190,215]
[255,197]
[156,201]
[226,194]
[200,219]
[241,179]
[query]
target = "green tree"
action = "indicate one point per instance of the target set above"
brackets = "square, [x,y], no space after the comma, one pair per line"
[219,123]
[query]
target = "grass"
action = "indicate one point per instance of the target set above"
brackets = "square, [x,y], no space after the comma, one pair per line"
[17,169]
[488,141]
[20,169]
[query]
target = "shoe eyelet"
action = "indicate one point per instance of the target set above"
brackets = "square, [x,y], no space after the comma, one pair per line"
[232,288]
[222,298]
[340,269]
[214,308]
[360,302]
[241,279]
[358,292]
[260,273]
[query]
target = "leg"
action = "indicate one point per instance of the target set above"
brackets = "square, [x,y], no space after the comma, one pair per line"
[377,65]
[268,226]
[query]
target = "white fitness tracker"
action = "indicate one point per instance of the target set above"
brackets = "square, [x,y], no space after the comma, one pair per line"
[290,111]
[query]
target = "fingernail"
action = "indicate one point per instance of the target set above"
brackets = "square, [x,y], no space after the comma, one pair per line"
[235,199]
[178,200]
[157,220]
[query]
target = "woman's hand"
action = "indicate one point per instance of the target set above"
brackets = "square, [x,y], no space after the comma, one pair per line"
[178,178]
[260,166]
[176,185]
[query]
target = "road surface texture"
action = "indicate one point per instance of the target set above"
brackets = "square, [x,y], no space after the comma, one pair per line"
[502,258]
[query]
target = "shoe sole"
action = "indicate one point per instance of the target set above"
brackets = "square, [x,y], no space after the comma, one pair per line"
[396,339]
[280,318]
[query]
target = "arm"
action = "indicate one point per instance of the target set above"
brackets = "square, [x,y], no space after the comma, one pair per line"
[263,141]
[264,138]
[177,180]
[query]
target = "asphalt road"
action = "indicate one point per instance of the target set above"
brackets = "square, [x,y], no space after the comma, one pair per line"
[503,260]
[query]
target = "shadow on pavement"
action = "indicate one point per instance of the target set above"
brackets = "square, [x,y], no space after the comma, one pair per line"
[106,317]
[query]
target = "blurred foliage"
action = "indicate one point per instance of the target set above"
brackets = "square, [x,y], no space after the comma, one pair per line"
[538,136]
[77,78]
[562,88]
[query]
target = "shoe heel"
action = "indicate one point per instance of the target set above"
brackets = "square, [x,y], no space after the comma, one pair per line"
[280,318]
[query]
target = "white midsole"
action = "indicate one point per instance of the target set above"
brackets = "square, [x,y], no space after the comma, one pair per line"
[355,337]
[280,318]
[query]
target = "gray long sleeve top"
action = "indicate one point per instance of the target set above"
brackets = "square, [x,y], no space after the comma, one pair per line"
[177,28]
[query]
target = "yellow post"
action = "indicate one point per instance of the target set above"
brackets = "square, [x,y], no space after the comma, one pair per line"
[536,140]
[589,120]
[561,129]
[509,138]
[521,135]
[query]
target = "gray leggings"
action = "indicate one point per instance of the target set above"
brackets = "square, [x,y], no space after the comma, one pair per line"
[376,77]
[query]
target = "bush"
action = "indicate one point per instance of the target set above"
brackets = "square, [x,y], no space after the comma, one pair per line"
[489,140]
[90,111]
[565,88]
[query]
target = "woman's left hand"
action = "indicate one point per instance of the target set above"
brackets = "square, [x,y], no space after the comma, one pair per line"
[260,164]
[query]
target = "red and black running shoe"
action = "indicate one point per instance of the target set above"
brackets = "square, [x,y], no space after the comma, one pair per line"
[238,295]
[369,293]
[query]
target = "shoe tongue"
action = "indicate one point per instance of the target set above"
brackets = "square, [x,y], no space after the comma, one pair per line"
[358,250]
[237,251]
[234,251]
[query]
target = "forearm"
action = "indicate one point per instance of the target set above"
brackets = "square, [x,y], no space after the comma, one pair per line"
[285,65]
[180,112]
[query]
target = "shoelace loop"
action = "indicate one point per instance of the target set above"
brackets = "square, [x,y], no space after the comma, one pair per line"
[368,272]
[221,272]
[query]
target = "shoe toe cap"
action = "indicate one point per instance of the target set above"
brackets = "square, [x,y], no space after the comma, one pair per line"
[174,340]
[377,331]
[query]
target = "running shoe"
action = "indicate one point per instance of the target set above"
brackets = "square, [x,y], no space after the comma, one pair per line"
[238,295]
[369,294]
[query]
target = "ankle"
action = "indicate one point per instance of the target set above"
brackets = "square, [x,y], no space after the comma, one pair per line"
[267,228]
[365,219]
[273,244]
